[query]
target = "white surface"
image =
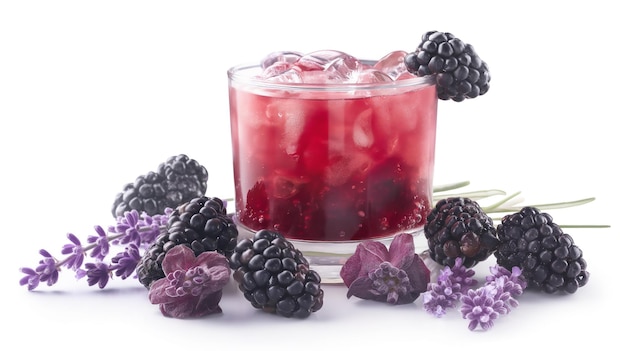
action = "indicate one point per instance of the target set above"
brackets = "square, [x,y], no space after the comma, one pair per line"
[93,94]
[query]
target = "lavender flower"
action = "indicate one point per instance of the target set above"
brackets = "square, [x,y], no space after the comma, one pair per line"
[192,286]
[444,294]
[128,226]
[100,243]
[96,273]
[75,251]
[494,299]
[509,284]
[124,263]
[482,307]
[395,276]
[134,231]
[133,227]
[46,271]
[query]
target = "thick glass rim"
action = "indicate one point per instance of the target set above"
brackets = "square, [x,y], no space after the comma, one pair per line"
[236,74]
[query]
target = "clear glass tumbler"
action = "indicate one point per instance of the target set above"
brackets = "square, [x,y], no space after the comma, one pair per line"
[331,165]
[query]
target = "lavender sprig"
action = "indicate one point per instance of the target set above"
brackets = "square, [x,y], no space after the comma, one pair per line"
[134,231]
[496,298]
[451,284]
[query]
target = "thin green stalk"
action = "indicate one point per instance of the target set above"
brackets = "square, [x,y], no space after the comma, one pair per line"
[494,207]
[451,186]
[480,194]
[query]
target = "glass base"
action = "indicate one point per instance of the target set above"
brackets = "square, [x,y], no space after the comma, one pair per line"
[327,257]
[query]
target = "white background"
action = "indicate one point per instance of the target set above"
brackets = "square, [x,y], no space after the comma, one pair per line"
[95,93]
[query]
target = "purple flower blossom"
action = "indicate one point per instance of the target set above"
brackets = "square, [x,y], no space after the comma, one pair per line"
[101,243]
[151,226]
[47,268]
[137,228]
[96,273]
[31,278]
[192,286]
[509,284]
[395,276]
[47,271]
[128,225]
[124,263]
[75,252]
[452,282]
[494,299]
[482,307]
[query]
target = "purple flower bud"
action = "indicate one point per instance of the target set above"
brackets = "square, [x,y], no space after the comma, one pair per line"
[480,307]
[97,273]
[101,248]
[124,263]
[396,275]
[31,278]
[192,286]
[451,283]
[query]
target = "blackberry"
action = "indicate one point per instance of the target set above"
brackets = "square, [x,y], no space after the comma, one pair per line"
[458,227]
[275,277]
[460,73]
[176,181]
[201,224]
[548,257]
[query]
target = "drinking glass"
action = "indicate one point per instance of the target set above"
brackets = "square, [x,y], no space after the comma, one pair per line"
[331,165]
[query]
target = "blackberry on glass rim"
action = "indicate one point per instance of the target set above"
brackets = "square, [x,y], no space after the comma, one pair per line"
[460,73]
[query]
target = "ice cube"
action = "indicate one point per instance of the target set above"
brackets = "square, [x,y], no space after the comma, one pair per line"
[284,187]
[392,64]
[340,67]
[339,171]
[294,126]
[275,69]
[372,76]
[291,75]
[362,133]
[406,75]
[280,56]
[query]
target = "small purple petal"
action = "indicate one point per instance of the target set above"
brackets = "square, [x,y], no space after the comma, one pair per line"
[362,288]
[402,250]
[44,253]
[73,239]
[179,257]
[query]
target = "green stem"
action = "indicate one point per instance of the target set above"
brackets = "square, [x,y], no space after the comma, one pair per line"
[451,186]
[480,194]
[494,207]
[547,206]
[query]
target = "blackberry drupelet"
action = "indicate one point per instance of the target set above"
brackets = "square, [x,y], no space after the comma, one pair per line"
[176,181]
[549,259]
[275,277]
[460,73]
[458,227]
[201,224]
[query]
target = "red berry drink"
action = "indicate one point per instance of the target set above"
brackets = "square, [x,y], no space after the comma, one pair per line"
[329,148]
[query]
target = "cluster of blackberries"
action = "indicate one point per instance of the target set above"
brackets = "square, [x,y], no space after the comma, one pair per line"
[548,257]
[458,227]
[275,277]
[201,224]
[528,239]
[459,72]
[177,180]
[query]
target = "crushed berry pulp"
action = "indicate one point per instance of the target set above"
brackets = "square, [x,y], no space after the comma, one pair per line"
[333,165]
